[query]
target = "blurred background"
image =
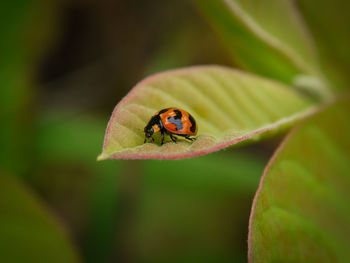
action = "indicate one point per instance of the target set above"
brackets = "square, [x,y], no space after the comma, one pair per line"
[64,65]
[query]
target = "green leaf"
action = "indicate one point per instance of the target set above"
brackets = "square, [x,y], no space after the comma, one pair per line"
[329,24]
[28,233]
[301,211]
[267,37]
[229,106]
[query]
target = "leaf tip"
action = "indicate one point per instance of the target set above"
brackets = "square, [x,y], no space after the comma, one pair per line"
[102,157]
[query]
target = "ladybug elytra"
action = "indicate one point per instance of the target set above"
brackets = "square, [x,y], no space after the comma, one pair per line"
[171,121]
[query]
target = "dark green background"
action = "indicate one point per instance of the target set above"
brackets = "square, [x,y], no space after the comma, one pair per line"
[64,66]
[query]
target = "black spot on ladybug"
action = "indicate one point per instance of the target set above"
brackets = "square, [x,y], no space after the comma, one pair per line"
[178,114]
[193,122]
[163,110]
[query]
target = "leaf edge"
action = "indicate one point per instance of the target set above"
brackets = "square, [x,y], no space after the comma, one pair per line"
[277,152]
[294,118]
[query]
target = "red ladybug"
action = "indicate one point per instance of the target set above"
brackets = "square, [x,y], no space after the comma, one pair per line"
[172,121]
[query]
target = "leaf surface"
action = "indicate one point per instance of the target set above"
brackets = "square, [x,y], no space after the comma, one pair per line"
[301,211]
[229,106]
[28,233]
[267,37]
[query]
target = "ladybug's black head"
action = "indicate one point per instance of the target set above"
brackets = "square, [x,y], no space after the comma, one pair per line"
[148,131]
[154,125]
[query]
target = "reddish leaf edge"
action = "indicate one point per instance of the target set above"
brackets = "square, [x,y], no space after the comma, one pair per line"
[271,161]
[296,117]
[211,149]
[261,183]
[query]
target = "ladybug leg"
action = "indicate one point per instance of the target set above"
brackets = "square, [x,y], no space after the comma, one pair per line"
[162,137]
[145,140]
[190,138]
[152,140]
[174,139]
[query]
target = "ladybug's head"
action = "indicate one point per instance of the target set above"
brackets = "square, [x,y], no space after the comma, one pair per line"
[148,131]
[153,126]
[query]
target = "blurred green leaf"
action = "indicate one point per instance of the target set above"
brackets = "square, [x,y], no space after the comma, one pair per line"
[329,23]
[67,136]
[28,232]
[194,210]
[301,212]
[180,48]
[104,212]
[267,37]
[196,175]
[229,106]
[26,29]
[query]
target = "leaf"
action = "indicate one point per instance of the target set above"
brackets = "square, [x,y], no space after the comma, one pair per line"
[229,106]
[301,211]
[329,24]
[267,37]
[28,233]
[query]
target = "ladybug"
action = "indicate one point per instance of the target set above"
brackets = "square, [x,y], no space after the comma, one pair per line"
[171,121]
